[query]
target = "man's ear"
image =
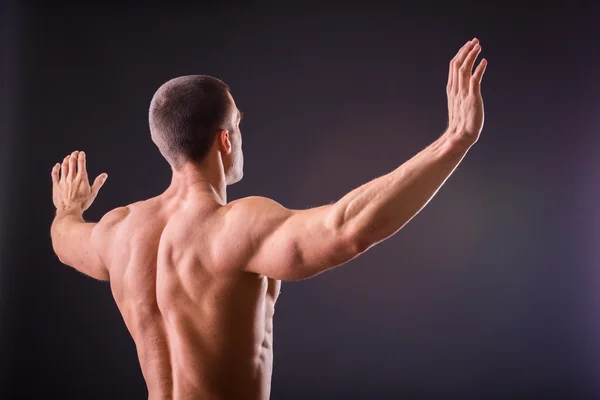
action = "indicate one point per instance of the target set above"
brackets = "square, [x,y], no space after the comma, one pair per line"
[224,141]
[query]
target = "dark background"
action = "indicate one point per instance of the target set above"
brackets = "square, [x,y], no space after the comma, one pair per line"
[491,292]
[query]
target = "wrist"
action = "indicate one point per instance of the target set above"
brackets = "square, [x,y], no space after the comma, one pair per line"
[453,142]
[72,210]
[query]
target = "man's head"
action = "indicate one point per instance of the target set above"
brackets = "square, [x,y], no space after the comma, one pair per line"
[194,119]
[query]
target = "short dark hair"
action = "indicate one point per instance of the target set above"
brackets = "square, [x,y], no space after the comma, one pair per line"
[185,115]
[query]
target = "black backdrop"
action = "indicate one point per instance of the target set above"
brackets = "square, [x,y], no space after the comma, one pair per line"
[490,292]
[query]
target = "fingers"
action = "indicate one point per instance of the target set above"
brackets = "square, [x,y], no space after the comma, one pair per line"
[457,63]
[464,73]
[98,182]
[478,76]
[81,169]
[450,86]
[64,169]
[55,171]
[72,165]
[461,54]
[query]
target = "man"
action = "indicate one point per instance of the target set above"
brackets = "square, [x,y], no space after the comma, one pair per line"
[196,278]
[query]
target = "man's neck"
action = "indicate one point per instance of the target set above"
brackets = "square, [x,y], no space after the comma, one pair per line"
[191,179]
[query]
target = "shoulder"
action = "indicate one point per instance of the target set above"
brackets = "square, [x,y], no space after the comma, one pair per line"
[114,217]
[108,223]
[248,202]
[254,205]
[103,236]
[254,214]
[251,219]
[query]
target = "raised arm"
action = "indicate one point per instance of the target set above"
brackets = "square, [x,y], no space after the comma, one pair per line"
[72,237]
[289,244]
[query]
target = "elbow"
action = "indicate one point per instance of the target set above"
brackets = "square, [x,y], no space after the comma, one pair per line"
[60,257]
[360,245]
[354,240]
[362,236]
[356,243]
[57,252]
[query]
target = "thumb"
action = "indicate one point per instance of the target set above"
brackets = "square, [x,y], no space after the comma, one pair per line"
[98,182]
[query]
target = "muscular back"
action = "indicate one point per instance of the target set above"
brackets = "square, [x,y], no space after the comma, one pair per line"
[202,326]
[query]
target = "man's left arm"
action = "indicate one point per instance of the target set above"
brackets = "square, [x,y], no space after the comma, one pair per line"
[72,237]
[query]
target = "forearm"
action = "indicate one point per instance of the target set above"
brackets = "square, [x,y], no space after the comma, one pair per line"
[378,209]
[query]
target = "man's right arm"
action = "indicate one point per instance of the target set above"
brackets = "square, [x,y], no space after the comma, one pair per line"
[297,244]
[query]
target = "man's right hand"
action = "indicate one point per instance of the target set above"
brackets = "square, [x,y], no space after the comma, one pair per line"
[465,104]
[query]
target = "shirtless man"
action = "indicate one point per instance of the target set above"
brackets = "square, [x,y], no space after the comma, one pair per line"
[196,278]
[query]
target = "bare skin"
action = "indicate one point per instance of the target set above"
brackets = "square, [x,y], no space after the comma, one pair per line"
[196,278]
